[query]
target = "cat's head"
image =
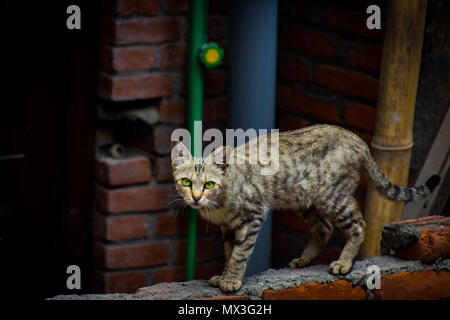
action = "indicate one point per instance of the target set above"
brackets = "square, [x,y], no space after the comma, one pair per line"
[199,181]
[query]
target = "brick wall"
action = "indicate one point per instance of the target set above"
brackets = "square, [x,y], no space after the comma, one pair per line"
[140,234]
[328,68]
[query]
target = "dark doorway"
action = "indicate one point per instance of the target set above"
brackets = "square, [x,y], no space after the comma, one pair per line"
[47,140]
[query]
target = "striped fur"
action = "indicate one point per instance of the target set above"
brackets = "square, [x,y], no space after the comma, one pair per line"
[318,175]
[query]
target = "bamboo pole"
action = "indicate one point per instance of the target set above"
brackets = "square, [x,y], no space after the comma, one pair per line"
[392,140]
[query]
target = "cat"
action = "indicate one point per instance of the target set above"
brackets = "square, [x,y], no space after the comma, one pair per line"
[318,174]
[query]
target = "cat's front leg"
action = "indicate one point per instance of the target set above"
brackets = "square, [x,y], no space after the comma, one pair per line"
[245,238]
[228,241]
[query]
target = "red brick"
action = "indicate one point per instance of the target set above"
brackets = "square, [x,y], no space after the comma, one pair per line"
[347,81]
[176,6]
[310,42]
[119,282]
[161,140]
[338,290]
[168,274]
[290,219]
[205,251]
[290,69]
[156,140]
[352,22]
[216,27]
[164,169]
[366,56]
[141,30]
[287,122]
[214,82]
[128,58]
[433,242]
[294,99]
[130,255]
[121,228]
[424,285]
[360,116]
[145,198]
[215,109]
[173,56]
[144,86]
[117,172]
[172,111]
[129,7]
[171,224]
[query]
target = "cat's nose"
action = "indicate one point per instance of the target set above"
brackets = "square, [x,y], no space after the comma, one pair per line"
[196,197]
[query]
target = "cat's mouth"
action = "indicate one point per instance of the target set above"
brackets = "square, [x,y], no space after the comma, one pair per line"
[196,204]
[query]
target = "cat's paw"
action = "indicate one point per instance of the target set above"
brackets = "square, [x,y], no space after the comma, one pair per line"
[298,263]
[215,281]
[340,267]
[229,285]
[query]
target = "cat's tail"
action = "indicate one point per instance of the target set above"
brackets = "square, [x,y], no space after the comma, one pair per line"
[396,193]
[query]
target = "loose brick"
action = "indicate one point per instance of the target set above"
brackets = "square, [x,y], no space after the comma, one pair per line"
[130,255]
[287,122]
[129,7]
[290,219]
[310,42]
[172,111]
[205,251]
[338,290]
[161,140]
[121,228]
[295,100]
[347,81]
[360,116]
[291,70]
[141,30]
[127,58]
[424,285]
[119,282]
[117,172]
[173,56]
[145,198]
[424,239]
[144,86]
[366,56]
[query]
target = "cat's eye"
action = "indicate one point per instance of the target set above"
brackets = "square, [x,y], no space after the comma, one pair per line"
[186,182]
[209,185]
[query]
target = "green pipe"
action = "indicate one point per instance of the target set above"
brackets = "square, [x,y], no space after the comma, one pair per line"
[198,12]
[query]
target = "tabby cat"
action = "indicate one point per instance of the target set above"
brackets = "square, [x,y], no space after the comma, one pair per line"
[317,177]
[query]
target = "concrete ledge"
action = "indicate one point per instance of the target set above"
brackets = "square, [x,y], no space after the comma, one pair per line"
[400,279]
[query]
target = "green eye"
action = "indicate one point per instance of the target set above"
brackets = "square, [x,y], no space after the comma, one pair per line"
[186,182]
[209,185]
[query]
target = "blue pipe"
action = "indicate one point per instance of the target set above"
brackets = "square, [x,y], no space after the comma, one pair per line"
[252,81]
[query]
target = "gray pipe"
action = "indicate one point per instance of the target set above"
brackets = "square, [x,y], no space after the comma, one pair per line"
[252,67]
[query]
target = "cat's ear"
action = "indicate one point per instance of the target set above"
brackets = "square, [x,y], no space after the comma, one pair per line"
[220,157]
[180,155]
